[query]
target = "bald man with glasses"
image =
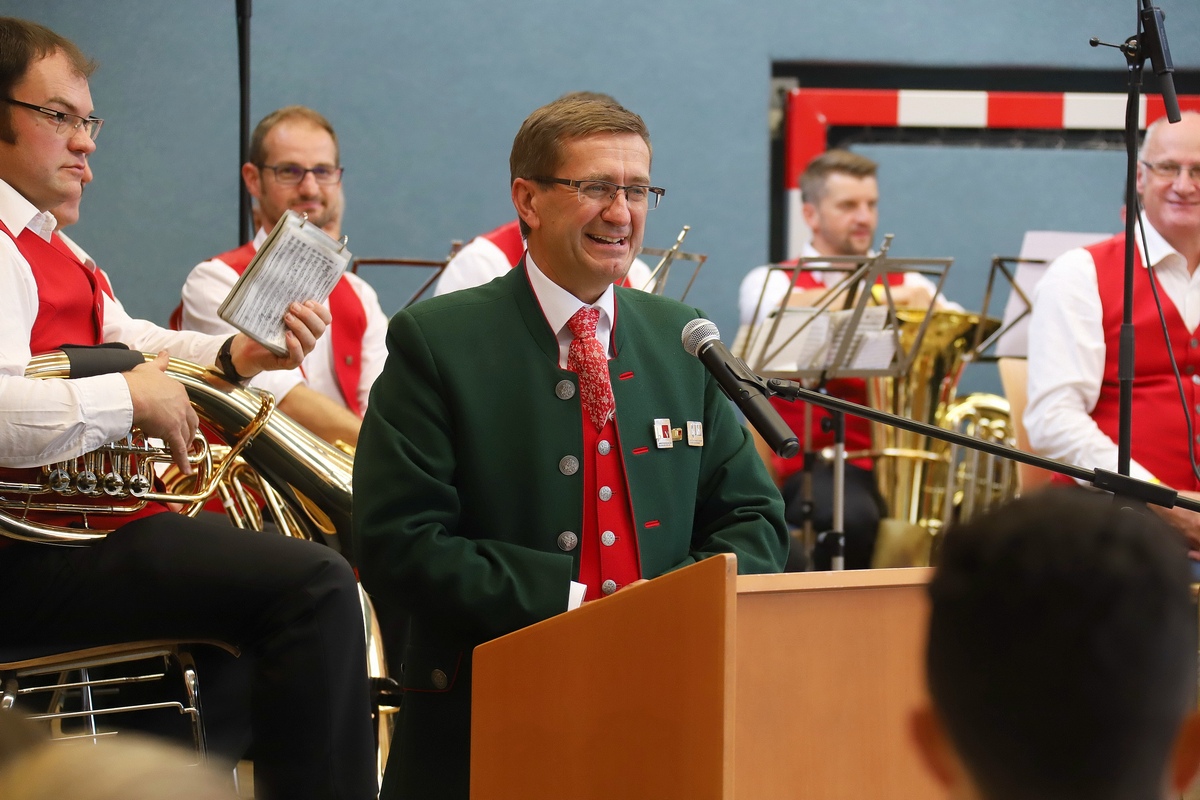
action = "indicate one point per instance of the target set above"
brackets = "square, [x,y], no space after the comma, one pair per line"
[1075,333]
[295,164]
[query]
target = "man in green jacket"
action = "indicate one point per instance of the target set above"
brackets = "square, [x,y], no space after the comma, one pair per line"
[544,438]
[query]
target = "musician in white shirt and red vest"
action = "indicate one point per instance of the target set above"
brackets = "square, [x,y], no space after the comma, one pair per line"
[1075,328]
[295,163]
[840,196]
[291,606]
[541,435]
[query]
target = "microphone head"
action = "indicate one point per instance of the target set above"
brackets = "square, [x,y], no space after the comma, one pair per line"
[696,333]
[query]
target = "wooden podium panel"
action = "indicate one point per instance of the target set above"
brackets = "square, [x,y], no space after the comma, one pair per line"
[829,665]
[624,697]
[703,684]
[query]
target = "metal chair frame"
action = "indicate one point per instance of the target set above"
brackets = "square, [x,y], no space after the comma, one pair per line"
[65,676]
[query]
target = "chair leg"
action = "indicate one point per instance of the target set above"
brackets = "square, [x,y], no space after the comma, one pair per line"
[87,702]
[191,683]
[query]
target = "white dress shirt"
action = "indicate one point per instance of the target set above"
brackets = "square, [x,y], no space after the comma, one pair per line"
[771,287]
[210,282]
[558,306]
[1067,351]
[42,421]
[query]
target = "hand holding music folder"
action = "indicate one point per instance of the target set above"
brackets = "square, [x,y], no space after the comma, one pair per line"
[297,262]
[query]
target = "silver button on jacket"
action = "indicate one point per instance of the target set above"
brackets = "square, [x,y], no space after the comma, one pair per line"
[608,587]
[565,390]
[568,465]
[567,541]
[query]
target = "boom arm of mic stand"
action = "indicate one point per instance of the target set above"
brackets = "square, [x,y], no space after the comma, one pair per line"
[1117,484]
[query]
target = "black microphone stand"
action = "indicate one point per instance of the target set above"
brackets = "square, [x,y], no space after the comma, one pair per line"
[837,422]
[1114,482]
[243,35]
[1149,42]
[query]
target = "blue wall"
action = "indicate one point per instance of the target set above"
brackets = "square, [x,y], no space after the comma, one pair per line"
[427,96]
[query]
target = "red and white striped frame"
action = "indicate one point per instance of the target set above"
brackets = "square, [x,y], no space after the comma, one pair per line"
[811,112]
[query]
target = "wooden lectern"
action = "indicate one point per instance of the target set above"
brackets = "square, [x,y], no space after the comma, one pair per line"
[703,684]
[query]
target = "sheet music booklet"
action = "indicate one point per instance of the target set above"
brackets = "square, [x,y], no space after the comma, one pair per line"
[297,262]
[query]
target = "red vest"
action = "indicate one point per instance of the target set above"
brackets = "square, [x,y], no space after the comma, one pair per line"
[608,542]
[70,311]
[350,324]
[70,303]
[858,430]
[1159,431]
[508,238]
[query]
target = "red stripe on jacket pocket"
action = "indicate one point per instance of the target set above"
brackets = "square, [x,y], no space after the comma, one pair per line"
[652,524]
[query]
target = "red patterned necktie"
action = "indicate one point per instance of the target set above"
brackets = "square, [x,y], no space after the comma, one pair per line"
[586,358]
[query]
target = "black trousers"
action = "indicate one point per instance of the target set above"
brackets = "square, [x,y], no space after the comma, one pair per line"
[291,606]
[863,509]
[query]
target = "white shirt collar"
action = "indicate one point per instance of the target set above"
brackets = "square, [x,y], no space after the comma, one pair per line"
[1161,253]
[17,214]
[559,305]
[260,236]
[819,275]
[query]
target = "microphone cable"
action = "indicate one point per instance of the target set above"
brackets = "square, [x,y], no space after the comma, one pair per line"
[1162,319]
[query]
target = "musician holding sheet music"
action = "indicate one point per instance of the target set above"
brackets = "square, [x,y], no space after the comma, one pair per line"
[295,164]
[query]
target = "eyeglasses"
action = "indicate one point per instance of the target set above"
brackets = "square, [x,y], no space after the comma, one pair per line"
[604,192]
[1170,170]
[66,123]
[292,174]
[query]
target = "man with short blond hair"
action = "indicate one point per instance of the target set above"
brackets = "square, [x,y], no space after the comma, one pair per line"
[526,441]
[295,164]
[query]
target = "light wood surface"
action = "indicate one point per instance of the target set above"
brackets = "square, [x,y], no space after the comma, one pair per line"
[625,697]
[703,684]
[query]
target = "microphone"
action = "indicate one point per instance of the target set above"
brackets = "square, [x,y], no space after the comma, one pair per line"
[748,391]
[1154,43]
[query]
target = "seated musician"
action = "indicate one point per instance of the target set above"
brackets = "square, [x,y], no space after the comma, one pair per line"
[1061,656]
[295,164]
[1074,332]
[840,198]
[291,606]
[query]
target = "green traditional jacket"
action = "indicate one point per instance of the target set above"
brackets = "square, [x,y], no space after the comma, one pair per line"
[459,498]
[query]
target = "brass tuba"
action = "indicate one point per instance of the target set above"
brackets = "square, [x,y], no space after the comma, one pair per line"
[926,483]
[307,481]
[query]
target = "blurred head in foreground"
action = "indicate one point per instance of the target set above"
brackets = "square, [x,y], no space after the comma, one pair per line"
[1061,658]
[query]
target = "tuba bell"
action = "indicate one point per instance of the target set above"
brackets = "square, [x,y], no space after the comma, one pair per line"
[308,481]
[927,483]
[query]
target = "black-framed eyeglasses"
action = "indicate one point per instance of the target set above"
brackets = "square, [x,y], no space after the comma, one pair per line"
[1170,170]
[292,174]
[604,192]
[65,123]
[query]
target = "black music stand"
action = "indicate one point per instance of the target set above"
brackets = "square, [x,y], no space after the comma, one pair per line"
[658,276]
[845,335]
